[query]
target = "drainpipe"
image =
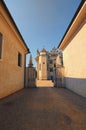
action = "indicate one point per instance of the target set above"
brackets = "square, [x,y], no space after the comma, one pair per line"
[25,71]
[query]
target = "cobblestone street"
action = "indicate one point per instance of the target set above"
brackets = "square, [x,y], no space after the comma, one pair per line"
[43,109]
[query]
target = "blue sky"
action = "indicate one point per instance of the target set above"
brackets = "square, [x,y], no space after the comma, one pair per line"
[42,23]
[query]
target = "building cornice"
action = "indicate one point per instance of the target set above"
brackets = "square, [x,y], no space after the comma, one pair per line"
[12,24]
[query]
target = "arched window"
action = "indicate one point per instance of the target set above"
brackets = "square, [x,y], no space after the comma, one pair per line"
[0,45]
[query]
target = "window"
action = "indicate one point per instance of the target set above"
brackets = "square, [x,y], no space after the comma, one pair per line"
[54,55]
[19,59]
[51,62]
[0,45]
[54,65]
[51,78]
[51,69]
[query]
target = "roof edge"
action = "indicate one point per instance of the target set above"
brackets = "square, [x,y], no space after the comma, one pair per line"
[4,4]
[76,13]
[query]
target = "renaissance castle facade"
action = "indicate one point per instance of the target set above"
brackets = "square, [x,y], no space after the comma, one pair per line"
[46,65]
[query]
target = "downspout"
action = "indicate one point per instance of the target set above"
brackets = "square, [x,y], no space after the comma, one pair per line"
[25,71]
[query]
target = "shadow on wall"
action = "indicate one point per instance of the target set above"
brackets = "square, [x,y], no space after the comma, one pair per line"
[78,85]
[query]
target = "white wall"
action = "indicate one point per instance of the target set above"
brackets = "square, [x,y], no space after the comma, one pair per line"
[75,63]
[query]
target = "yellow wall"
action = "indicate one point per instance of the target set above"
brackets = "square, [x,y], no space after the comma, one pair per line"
[74,56]
[11,75]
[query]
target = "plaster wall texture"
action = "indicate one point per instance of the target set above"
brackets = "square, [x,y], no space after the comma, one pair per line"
[74,56]
[11,75]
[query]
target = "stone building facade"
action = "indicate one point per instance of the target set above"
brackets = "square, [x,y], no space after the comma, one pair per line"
[73,46]
[13,52]
[49,68]
[46,64]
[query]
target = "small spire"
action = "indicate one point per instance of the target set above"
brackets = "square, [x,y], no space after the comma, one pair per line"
[30,61]
[43,50]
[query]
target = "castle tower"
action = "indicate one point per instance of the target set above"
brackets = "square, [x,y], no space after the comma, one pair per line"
[43,65]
